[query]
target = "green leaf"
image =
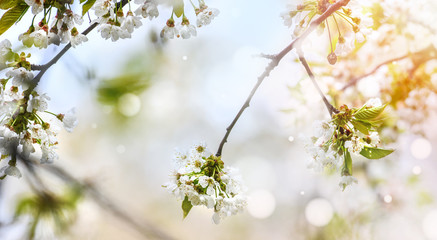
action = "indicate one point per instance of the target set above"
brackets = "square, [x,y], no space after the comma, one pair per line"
[186,206]
[11,16]
[6,4]
[375,153]
[369,113]
[87,6]
[82,1]
[362,127]
[110,90]
[178,8]
[26,205]
[347,168]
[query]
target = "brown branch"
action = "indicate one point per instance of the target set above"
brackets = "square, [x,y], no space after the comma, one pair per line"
[275,59]
[418,58]
[146,229]
[355,80]
[331,109]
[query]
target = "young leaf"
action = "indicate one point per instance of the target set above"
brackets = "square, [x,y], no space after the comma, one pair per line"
[369,113]
[11,16]
[186,206]
[87,6]
[6,4]
[360,126]
[375,153]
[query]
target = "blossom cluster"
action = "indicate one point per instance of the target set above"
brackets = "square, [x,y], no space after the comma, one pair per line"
[418,111]
[62,29]
[351,23]
[202,179]
[22,109]
[113,22]
[184,29]
[349,131]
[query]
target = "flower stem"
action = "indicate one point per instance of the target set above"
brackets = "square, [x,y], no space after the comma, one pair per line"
[331,109]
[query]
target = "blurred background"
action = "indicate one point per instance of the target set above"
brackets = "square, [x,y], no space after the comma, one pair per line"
[140,100]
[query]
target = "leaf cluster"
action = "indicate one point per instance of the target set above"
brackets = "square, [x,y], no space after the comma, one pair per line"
[59,210]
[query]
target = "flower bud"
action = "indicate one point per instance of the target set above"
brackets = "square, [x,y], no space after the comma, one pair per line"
[332,58]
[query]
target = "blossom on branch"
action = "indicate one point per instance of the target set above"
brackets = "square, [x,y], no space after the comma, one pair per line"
[205,15]
[344,22]
[202,179]
[349,131]
[147,9]
[24,122]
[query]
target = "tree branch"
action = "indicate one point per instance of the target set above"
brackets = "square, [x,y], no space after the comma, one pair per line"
[418,58]
[275,59]
[331,109]
[146,229]
[355,80]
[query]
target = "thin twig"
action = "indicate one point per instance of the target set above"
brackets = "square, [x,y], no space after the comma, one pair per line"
[275,59]
[418,58]
[331,109]
[355,80]
[145,228]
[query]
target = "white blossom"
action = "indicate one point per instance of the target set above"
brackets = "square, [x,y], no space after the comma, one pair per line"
[346,181]
[27,144]
[31,130]
[418,112]
[38,103]
[374,139]
[10,171]
[131,22]
[345,45]
[37,5]
[20,76]
[148,9]
[169,32]
[65,36]
[40,38]
[355,145]
[78,39]
[69,120]
[205,15]
[48,154]
[8,141]
[112,31]
[291,15]
[5,53]
[102,7]
[187,30]
[71,19]
[53,38]
[26,39]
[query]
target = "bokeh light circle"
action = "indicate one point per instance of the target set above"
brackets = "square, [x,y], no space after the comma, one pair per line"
[319,212]
[421,148]
[129,104]
[261,204]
